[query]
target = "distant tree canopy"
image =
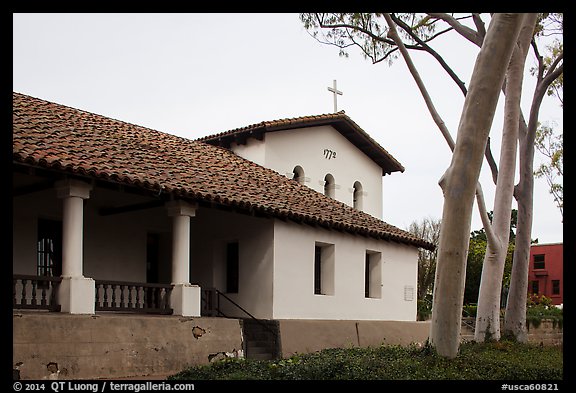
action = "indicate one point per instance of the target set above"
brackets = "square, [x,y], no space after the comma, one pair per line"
[476,252]
[481,234]
[429,230]
[551,146]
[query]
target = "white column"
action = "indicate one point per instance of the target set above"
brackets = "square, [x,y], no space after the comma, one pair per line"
[76,293]
[181,249]
[185,298]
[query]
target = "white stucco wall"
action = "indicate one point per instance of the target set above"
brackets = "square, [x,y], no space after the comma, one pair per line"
[254,150]
[284,150]
[276,262]
[294,296]
[211,231]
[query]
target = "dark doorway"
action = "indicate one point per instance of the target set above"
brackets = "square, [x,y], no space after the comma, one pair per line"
[152,257]
[49,253]
[232,267]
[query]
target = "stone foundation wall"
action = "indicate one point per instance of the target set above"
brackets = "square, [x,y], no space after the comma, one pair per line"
[303,336]
[64,346]
[546,333]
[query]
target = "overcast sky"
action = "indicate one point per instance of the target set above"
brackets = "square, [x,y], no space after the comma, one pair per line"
[193,75]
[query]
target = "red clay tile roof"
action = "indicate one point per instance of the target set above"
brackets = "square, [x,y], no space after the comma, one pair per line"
[59,137]
[340,121]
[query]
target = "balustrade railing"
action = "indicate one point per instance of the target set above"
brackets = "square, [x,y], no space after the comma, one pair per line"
[133,297]
[35,292]
[210,303]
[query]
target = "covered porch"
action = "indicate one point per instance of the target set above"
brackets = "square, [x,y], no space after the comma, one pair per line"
[84,246]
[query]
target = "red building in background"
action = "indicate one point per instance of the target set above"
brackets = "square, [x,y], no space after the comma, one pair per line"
[545,275]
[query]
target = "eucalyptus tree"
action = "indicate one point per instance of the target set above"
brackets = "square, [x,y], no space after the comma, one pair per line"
[367,32]
[489,303]
[548,71]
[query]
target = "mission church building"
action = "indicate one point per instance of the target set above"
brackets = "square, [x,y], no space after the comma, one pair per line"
[281,220]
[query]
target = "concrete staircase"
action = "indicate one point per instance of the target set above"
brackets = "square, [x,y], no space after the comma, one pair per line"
[261,339]
[467,330]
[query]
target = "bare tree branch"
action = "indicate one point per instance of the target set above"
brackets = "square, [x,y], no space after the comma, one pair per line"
[393,34]
[431,51]
[480,28]
[464,31]
[491,162]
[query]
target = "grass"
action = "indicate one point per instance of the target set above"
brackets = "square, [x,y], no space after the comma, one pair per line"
[503,360]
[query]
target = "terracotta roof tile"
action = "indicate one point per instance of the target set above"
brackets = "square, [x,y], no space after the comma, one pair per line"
[340,121]
[56,136]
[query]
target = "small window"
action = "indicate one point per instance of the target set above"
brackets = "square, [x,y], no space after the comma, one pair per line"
[323,269]
[535,287]
[329,186]
[555,287]
[539,261]
[373,275]
[298,174]
[232,267]
[357,196]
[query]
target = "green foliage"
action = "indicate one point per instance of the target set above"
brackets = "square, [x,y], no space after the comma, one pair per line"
[539,308]
[497,360]
[367,32]
[429,230]
[424,309]
[475,261]
[469,310]
[551,146]
[551,25]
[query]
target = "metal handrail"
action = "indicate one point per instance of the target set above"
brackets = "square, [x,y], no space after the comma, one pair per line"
[218,294]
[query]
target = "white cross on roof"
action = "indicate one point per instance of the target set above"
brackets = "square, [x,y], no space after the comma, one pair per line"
[336,92]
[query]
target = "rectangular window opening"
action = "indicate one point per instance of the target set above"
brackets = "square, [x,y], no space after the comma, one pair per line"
[535,287]
[324,269]
[232,267]
[539,261]
[555,287]
[373,275]
[49,251]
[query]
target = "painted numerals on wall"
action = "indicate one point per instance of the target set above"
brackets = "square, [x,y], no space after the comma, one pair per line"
[329,154]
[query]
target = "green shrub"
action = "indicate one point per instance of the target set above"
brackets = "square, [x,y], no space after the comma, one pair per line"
[469,310]
[501,360]
[424,307]
[540,307]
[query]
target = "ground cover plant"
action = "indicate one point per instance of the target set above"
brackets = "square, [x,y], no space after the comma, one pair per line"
[503,360]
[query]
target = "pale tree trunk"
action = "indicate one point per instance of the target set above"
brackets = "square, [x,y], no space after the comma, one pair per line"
[515,317]
[393,34]
[488,314]
[459,182]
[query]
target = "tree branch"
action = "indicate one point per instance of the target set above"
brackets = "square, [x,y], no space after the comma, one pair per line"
[479,23]
[393,34]
[491,162]
[431,51]
[464,31]
[551,76]
[356,28]
[481,202]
